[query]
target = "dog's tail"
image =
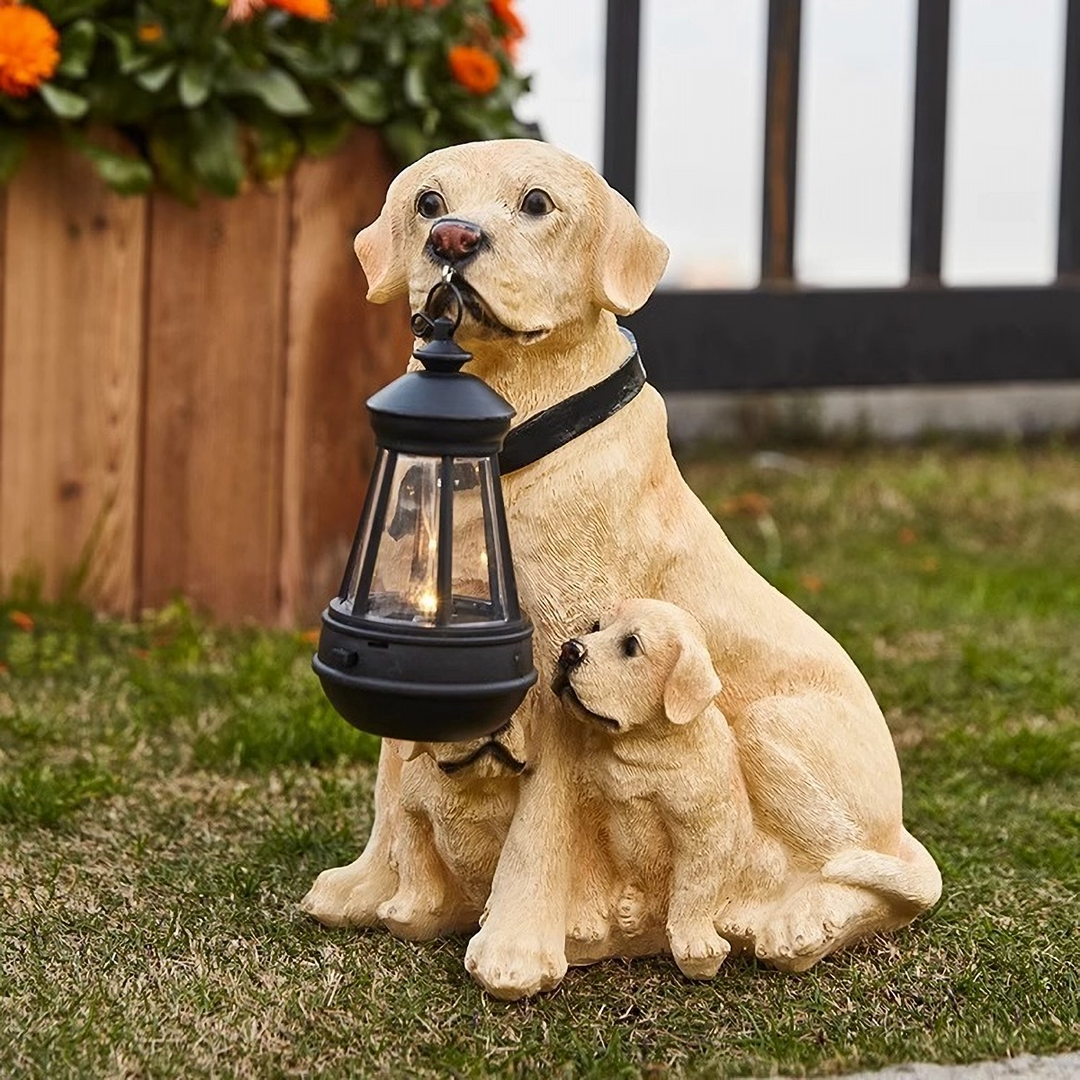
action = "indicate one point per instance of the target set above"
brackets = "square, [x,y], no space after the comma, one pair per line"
[910,879]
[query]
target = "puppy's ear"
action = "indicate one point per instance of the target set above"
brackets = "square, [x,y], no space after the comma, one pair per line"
[630,261]
[692,684]
[380,257]
[406,749]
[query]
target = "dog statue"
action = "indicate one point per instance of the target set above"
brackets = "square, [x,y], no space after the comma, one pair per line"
[546,255]
[689,835]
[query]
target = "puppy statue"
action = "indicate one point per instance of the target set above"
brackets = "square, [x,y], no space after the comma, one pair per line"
[686,832]
[546,255]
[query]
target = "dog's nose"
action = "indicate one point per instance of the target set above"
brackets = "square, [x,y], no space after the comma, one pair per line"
[572,654]
[454,240]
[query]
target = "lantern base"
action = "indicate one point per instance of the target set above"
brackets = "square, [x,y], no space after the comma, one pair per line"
[427,685]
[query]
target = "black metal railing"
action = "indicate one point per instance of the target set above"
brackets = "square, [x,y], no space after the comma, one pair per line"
[781,335]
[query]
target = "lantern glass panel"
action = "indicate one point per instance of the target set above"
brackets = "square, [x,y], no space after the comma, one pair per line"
[363,539]
[404,584]
[478,575]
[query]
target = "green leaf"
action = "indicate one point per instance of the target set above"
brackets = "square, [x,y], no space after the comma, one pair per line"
[300,60]
[76,48]
[123,173]
[276,88]
[406,140]
[276,148]
[170,151]
[364,98]
[155,78]
[216,151]
[13,146]
[326,136]
[195,82]
[395,48]
[128,57]
[348,56]
[415,91]
[63,103]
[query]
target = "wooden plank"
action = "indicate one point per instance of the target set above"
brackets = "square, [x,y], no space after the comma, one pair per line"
[214,404]
[781,139]
[70,403]
[340,351]
[928,140]
[807,339]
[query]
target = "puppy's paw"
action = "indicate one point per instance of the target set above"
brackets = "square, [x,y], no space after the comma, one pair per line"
[630,910]
[408,916]
[348,896]
[795,941]
[698,949]
[513,965]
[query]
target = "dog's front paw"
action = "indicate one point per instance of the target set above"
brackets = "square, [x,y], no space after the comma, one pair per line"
[698,949]
[349,895]
[512,965]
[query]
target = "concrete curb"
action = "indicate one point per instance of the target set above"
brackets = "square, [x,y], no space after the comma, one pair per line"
[1025,1067]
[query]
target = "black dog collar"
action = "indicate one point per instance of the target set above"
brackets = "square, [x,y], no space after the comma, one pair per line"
[548,430]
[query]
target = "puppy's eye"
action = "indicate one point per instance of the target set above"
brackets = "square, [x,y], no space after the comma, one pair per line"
[631,646]
[595,628]
[430,204]
[537,203]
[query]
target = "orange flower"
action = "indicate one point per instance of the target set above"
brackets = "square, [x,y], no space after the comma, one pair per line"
[318,10]
[150,32]
[503,10]
[244,10]
[475,69]
[21,621]
[28,49]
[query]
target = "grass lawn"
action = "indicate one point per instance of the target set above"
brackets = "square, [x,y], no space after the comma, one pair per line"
[168,792]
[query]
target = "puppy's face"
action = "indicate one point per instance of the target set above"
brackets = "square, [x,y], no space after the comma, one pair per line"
[536,238]
[644,665]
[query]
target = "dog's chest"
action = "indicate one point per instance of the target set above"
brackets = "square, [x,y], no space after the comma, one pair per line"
[572,558]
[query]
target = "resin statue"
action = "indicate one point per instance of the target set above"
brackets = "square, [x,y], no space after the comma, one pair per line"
[700,771]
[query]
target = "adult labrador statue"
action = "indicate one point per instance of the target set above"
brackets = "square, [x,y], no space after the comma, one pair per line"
[547,255]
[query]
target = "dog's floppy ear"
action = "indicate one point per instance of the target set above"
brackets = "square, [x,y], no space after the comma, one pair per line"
[692,684]
[380,257]
[630,261]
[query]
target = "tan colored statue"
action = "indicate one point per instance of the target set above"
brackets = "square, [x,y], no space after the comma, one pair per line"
[765,813]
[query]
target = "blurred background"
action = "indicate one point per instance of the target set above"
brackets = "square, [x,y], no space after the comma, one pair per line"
[989,188]
[702,122]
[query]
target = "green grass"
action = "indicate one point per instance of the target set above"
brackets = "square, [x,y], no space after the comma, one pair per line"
[169,791]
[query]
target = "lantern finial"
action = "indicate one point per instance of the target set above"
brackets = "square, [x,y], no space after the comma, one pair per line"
[442,352]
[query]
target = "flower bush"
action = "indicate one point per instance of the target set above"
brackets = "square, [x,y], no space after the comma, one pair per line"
[211,95]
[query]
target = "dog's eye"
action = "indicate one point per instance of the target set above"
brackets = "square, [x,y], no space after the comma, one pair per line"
[595,628]
[430,204]
[631,646]
[537,203]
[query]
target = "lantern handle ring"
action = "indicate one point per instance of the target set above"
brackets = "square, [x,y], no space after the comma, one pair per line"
[423,323]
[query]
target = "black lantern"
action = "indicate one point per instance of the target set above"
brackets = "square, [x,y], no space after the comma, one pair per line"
[425,639]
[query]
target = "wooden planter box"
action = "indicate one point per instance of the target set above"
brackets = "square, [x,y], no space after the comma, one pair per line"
[181,390]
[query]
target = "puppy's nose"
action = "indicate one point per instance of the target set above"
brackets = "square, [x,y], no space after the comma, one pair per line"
[454,240]
[572,654]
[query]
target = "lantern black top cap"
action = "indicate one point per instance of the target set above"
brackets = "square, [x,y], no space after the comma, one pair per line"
[435,325]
